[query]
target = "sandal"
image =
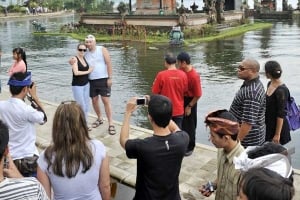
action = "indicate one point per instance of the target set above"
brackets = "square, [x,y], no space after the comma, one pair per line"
[97,123]
[112,130]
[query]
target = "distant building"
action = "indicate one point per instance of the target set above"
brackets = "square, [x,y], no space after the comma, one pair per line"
[146,7]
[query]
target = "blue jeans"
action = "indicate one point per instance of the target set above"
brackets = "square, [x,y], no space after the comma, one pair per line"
[81,95]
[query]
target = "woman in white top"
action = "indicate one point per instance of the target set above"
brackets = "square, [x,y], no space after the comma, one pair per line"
[74,165]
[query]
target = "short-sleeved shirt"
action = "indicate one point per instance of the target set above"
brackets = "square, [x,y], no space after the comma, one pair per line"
[228,177]
[194,84]
[21,119]
[22,188]
[83,185]
[18,66]
[249,105]
[158,165]
[172,84]
[276,108]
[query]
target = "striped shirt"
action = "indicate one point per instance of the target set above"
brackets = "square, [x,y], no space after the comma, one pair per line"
[249,106]
[22,188]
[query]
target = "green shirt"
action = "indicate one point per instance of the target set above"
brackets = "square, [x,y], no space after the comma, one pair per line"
[228,176]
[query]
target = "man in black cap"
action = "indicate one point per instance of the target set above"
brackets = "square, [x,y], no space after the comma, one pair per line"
[21,119]
[12,184]
[224,129]
[191,97]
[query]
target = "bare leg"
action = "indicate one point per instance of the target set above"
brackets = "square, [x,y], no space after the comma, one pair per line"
[108,111]
[95,101]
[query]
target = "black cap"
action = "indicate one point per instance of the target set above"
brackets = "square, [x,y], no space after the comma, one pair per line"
[183,56]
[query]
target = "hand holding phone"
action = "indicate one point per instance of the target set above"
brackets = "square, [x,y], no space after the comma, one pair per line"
[141,101]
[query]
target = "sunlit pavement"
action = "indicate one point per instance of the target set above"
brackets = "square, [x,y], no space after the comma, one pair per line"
[196,169]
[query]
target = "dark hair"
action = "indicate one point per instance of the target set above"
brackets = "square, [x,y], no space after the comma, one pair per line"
[264,184]
[4,137]
[266,149]
[19,51]
[20,76]
[183,56]
[170,59]
[160,109]
[273,68]
[80,44]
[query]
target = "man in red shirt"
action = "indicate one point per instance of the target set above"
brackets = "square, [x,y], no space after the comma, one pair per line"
[172,83]
[193,94]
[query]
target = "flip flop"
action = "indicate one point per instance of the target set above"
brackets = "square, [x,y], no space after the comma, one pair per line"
[97,123]
[111,130]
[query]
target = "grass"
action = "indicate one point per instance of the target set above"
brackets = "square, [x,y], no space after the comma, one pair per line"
[235,31]
[230,32]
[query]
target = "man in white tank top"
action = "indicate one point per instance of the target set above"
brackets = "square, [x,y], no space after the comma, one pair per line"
[100,80]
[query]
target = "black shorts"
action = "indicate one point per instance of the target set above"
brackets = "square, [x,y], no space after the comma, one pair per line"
[99,87]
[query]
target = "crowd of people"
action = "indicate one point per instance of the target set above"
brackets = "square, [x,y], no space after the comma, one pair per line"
[252,163]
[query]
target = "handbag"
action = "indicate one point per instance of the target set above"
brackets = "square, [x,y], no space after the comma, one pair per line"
[293,114]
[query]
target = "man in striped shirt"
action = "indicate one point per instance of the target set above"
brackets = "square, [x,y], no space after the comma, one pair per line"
[12,184]
[249,104]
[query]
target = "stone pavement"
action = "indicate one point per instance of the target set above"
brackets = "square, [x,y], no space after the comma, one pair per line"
[196,169]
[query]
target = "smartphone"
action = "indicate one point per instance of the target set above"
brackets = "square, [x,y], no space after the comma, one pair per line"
[141,101]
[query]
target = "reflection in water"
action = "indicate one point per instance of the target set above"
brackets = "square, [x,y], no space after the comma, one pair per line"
[135,65]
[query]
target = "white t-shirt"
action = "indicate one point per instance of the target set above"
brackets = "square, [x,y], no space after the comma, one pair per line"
[20,119]
[82,186]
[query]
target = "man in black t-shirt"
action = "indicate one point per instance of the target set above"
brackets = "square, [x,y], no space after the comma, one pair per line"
[159,156]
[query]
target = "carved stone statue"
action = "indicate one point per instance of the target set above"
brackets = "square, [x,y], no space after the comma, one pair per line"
[220,10]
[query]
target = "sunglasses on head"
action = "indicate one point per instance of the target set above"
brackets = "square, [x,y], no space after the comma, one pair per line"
[84,50]
[68,102]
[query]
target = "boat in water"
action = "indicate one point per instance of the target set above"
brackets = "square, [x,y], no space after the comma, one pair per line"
[176,36]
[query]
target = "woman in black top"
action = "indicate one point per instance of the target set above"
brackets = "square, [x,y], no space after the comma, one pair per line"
[80,81]
[277,127]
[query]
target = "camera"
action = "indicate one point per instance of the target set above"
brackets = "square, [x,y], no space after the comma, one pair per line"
[209,186]
[141,101]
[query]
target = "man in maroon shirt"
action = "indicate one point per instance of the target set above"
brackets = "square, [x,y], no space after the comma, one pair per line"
[191,97]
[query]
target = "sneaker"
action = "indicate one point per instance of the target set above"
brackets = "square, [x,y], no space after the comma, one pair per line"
[188,153]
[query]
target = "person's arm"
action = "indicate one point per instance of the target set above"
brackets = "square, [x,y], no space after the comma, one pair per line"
[44,180]
[279,123]
[72,60]
[11,170]
[244,130]
[156,89]
[187,109]
[104,179]
[124,135]
[108,65]
[80,73]
[173,127]
[38,106]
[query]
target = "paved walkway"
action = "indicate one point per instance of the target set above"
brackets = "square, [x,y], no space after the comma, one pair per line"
[196,169]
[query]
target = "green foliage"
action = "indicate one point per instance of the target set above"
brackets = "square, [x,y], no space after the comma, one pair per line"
[122,8]
[106,6]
